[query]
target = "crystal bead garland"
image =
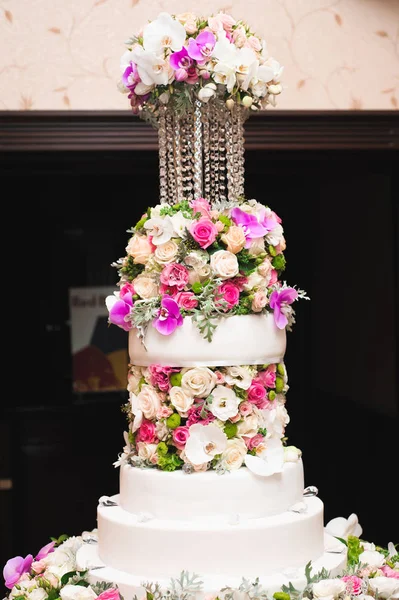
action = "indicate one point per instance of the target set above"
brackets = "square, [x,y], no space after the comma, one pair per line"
[170,158]
[197,150]
[178,159]
[163,171]
[187,154]
[223,115]
[206,151]
[214,151]
[238,150]
[230,157]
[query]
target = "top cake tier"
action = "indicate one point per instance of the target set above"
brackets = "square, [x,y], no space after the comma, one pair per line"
[238,340]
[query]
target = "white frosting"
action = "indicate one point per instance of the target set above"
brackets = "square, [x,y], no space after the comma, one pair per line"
[237,340]
[131,585]
[225,544]
[179,496]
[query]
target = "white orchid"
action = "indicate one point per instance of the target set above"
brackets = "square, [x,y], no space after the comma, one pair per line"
[161,229]
[225,68]
[207,92]
[274,420]
[204,443]
[373,558]
[342,528]
[163,33]
[137,412]
[269,461]
[224,403]
[180,224]
[239,376]
[225,75]
[151,68]
[246,66]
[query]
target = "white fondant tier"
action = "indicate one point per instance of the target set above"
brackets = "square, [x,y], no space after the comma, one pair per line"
[131,585]
[178,496]
[237,340]
[225,544]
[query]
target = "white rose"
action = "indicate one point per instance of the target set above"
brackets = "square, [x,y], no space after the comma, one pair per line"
[166,253]
[198,382]
[196,258]
[372,558]
[180,399]
[292,454]
[146,451]
[224,403]
[145,287]
[387,587]
[254,280]
[199,274]
[149,402]
[224,264]
[162,430]
[37,594]
[249,426]
[239,376]
[133,379]
[77,592]
[328,588]
[264,268]
[257,246]
[233,457]
[275,236]
[189,22]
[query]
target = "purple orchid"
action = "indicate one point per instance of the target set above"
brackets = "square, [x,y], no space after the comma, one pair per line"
[130,77]
[119,309]
[15,568]
[250,224]
[182,64]
[201,48]
[45,551]
[169,316]
[279,302]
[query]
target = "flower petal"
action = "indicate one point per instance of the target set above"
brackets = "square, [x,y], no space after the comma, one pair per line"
[165,326]
[288,295]
[171,306]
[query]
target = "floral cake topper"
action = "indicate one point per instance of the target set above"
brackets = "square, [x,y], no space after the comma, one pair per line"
[175,59]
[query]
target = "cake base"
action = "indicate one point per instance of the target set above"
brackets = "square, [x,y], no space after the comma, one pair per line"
[333,560]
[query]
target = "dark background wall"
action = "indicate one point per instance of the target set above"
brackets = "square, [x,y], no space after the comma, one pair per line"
[66,214]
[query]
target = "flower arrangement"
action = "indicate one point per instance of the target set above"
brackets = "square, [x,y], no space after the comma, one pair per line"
[191,259]
[372,573]
[176,59]
[203,418]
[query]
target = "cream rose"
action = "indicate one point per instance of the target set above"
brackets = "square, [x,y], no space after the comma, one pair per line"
[224,264]
[198,382]
[254,280]
[180,399]
[145,287]
[146,451]
[162,430]
[234,238]
[199,274]
[166,253]
[249,426]
[328,588]
[149,402]
[259,302]
[196,258]
[140,248]
[189,22]
[234,454]
[38,594]
[257,246]
[77,592]
[133,379]
[264,268]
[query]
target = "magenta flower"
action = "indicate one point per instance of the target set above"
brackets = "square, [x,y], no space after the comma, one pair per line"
[119,309]
[250,224]
[182,64]
[15,568]
[201,48]
[279,302]
[110,594]
[169,316]
[130,77]
[45,551]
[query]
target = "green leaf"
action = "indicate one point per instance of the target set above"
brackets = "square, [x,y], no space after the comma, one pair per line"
[67,576]
[175,379]
[197,287]
[230,429]
[279,262]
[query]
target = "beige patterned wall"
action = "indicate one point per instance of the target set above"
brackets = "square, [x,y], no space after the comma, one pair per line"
[64,54]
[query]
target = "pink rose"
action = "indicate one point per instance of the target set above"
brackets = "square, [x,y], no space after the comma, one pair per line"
[246,408]
[200,205]
[267,377]
[38,566]
[146,433]
[127,288]
[220,378]
[174,276]
[110,594]
[180,436]
[254,43]
[221,21]
[164,412]
[229,293]
[186,300]
[353,584]
[253,442]
[204,232]
[257,394]
[389,572]
[273,277]
[159,376]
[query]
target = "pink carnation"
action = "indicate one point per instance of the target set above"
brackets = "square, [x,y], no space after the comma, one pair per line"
[174,276]
[159,376]
[353,584]
[229,293]
[146,433]
[204,232]
[186,300]
[164,412]
[110,594]
[200,205]
[257,395]
[194,416]
[180,436]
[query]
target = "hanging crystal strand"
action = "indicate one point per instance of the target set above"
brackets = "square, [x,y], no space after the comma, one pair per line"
[236,150]
[198,187]
[214,151]
[230,156]
[163,171]
[241,114]
[206,151]
[170,158]
[223,118]
[187,154]
[178,159]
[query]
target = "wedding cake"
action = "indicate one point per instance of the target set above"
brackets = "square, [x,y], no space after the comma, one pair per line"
[212,499]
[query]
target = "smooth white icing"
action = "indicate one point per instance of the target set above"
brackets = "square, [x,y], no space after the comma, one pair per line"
[224,544]
[131,585]
[237,340]
[179,496]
